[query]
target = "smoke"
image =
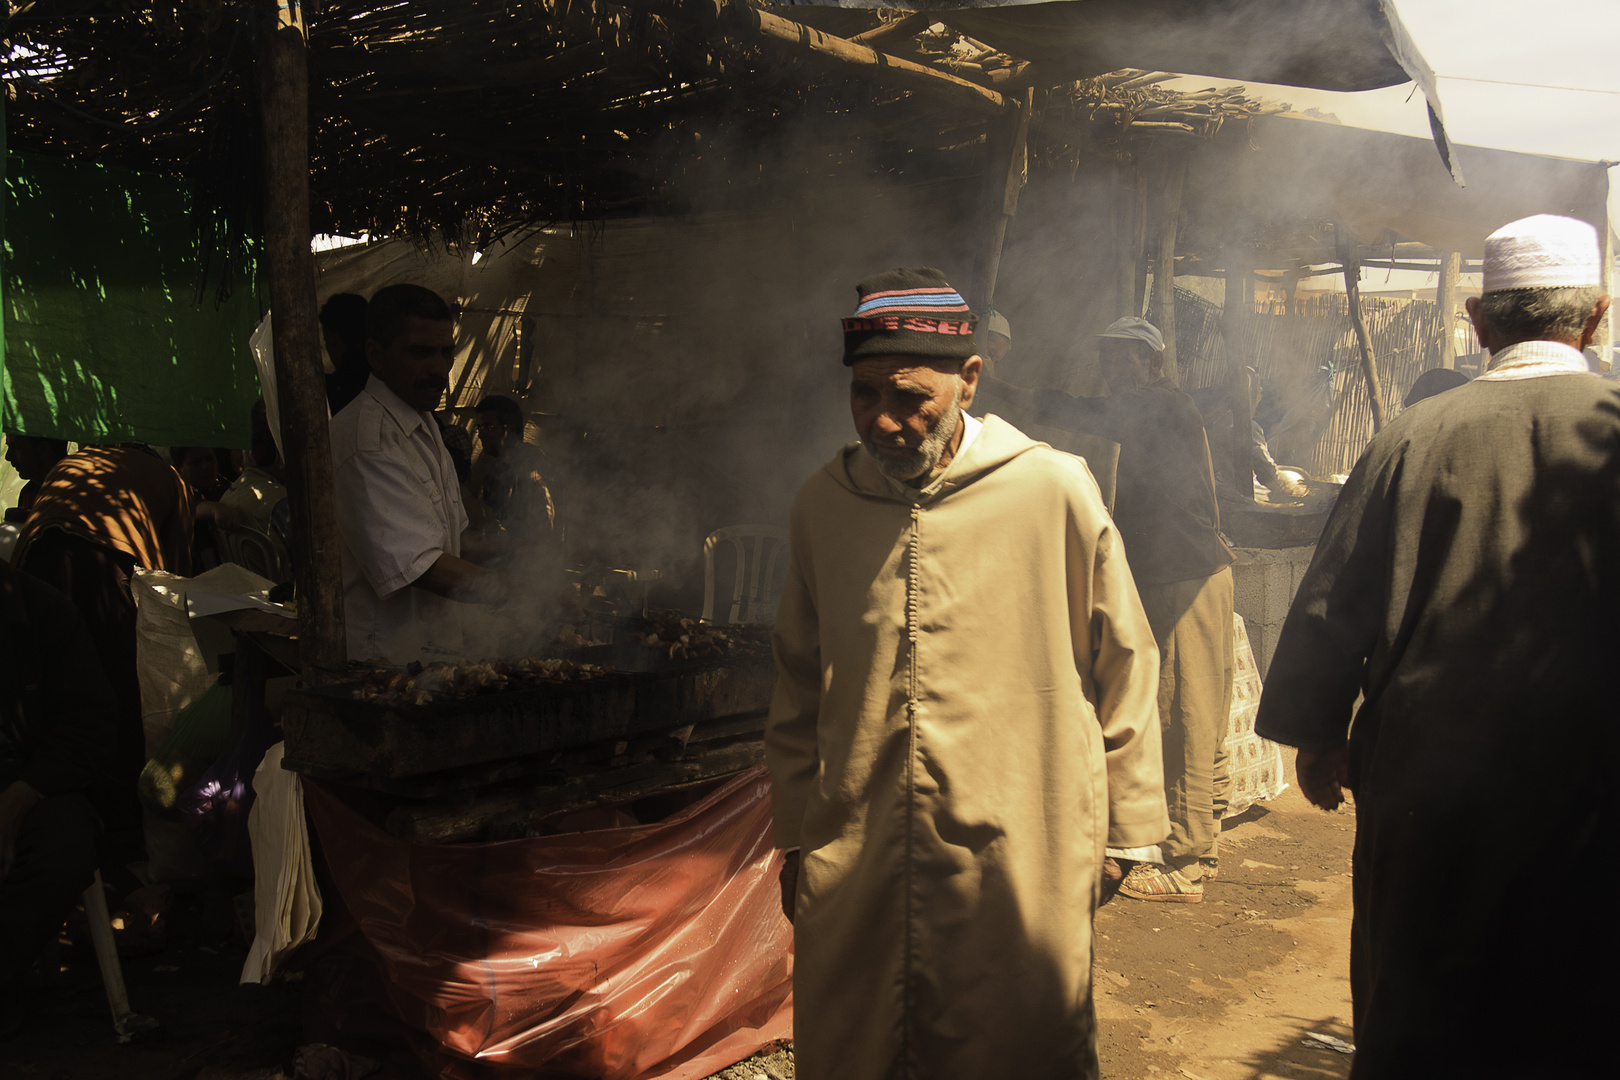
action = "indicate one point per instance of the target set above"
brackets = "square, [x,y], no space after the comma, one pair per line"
[686,371]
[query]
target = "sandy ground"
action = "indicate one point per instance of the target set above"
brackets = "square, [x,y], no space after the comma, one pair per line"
[1227,989]
[1222,990]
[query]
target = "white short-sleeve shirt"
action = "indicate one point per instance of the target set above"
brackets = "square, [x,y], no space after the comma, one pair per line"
[399,508]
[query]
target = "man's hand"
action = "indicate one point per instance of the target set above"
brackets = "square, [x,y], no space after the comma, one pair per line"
[1323,776]
[1292,487]
[15,802]
[789,877]
[455,578]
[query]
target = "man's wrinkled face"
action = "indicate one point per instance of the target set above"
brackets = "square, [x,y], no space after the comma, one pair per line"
[416,364]
[1126,364]
[906,411]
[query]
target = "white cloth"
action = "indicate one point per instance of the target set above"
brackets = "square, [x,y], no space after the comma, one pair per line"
[286,900]
[1547,251]
[399,508]
[1534,359]
[1254,766]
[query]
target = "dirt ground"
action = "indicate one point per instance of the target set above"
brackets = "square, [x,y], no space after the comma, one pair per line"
[1223,990]
[1228,989]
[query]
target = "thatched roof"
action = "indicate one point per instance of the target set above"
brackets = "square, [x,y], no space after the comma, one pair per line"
[472,118]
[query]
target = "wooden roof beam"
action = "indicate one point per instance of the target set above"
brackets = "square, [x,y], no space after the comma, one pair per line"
[903,29]
[891,69]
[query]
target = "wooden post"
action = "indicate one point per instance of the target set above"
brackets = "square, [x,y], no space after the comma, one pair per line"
[1445,298]
[1127,243]
[1235,333]
[1009,161]
[1605,335]
[1369,363]
[1164,264]
[1139,239]
[284,99]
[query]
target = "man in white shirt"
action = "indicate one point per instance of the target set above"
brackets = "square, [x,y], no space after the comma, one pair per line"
[400,515]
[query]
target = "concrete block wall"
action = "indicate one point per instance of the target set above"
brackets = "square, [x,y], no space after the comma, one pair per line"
[1264,581]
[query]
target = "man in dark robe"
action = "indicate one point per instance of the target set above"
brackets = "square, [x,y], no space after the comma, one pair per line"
[1467,586]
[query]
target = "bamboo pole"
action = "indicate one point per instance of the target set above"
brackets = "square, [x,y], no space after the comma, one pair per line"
[1235,332]
[1445,298]
[890,68]
[1139,239]
[284,98]
[1127,246]
[1009,161]
[1605,334]
[1358,319]
[900,30]
[1164,265]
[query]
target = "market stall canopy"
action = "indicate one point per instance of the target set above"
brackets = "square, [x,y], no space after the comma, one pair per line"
[1323,44]
[1382,186]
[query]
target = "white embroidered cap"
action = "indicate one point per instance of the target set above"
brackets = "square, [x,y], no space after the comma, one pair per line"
[1547,251]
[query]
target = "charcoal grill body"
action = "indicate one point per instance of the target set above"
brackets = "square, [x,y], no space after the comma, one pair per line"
[330,734]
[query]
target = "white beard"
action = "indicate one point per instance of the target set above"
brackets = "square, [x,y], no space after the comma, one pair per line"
[923,460]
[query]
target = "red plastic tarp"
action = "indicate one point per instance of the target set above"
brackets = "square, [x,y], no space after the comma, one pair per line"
[627,953]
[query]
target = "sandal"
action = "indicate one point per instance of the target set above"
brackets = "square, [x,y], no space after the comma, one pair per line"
[1161,884]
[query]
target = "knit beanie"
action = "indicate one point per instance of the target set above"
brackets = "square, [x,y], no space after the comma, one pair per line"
[909,312]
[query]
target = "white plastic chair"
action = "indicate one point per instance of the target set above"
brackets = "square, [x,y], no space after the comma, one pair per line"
[760,550]
[256,552]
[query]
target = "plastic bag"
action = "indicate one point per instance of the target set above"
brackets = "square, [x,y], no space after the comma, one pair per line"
[200,734]
[172,667]
[630,953]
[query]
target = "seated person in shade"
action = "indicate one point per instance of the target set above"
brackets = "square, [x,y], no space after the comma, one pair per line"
[200,467]
[511,480]
[100,514]
[56,740]
[33,457]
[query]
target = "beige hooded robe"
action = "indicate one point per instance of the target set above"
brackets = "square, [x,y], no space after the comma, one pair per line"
[965,714]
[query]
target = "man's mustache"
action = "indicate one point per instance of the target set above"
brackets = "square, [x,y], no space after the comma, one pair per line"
[433,382]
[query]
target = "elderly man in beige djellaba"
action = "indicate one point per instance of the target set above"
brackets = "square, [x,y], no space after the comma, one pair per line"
[965,715]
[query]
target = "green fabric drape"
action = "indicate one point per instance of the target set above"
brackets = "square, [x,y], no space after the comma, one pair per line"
[105,338]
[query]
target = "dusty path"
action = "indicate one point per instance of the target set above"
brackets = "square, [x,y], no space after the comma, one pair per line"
[1225,990]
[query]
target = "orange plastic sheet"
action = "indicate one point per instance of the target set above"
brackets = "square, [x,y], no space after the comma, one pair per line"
[626,953]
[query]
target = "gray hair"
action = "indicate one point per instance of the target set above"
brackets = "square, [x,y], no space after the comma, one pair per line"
[1555,314]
